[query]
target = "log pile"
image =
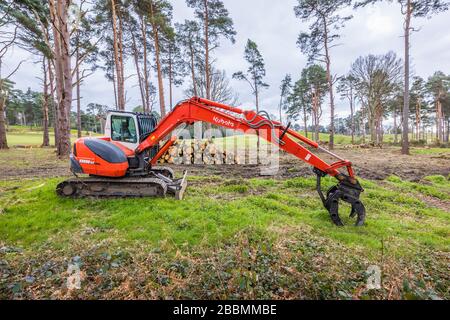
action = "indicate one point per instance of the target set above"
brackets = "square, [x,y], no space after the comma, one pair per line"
[198,152]
[370,145]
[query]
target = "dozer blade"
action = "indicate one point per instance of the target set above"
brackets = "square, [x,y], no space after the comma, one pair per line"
[348,190]
[179,194]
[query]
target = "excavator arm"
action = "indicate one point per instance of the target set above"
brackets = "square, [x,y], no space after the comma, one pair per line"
[250,122]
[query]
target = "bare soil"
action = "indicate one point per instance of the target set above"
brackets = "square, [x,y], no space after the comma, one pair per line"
[372,164]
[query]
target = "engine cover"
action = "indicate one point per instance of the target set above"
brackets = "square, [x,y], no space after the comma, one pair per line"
[99,158]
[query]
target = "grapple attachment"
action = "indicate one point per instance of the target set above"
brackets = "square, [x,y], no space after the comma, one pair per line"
[347,190]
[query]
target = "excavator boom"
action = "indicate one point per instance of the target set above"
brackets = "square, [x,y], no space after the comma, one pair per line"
[197,109]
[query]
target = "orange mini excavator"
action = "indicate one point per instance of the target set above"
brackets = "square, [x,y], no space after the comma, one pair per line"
[123,163]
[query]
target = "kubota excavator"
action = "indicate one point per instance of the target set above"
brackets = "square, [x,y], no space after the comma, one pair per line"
[123,163]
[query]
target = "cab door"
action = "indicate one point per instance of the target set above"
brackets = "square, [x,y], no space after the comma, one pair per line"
[124,130]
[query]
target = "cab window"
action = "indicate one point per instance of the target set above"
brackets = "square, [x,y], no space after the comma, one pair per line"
[123,129]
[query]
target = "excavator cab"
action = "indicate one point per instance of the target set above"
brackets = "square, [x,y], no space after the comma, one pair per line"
[130,128]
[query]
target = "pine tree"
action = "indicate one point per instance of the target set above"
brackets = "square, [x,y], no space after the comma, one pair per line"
[254,76]
[216,23]
[321,38]
[285,89]
[299,102]
[189,38]
[172,61]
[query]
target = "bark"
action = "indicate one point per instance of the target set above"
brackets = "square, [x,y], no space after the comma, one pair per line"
[352,115]
[52,95]
[305,120]
[140,80]
[45,100]
[207,66]
[3,141]
[162,103]
[116,99]
[78,92]
[372,127]
[316,116]
[439,119]
[330,84]
[147,106]
[395,126]
[207,70]
[59,12]
[194,83]
[117,40]
[405,142]
[418,109]
[258,142]
[170,79]
[447,139]
[121,60]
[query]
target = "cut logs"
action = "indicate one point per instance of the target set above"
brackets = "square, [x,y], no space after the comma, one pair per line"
[198,152]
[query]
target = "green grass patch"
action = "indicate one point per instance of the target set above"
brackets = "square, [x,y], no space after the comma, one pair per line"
[439,186]
[430,151]
[32,214]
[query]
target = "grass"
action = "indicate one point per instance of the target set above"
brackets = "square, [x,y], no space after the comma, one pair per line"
[26,136]
[430,151]
[218,213]
[214,212]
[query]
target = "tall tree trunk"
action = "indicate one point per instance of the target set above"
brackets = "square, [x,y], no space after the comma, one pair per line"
[170,79]
[439,119]
[114,81]
[418,109]
[78,85]
[448,131]
[395,126]
[117,59]
[3,98]
[316,116]
[59,11]
[121,59]
[330,83]
[258,142]
[352,115]
[162,103]
[372,126]
[138,71]
[45,100]
[51,77]
[207,70]
[405,142]
[3,141]
[146,69]
[194,82]
[305,120]
[207,64]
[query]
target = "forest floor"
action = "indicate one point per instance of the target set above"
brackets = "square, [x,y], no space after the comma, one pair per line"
[236,235]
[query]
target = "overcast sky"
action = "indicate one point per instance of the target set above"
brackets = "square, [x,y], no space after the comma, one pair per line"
[274,27]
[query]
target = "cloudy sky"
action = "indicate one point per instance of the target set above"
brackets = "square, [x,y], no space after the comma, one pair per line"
[274,27]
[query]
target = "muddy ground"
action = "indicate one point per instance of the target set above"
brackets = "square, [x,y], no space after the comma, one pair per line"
[373,164]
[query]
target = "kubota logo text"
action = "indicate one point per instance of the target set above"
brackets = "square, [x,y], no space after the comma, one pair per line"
[223,122]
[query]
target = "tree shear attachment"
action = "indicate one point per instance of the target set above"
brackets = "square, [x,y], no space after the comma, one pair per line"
[348,190]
